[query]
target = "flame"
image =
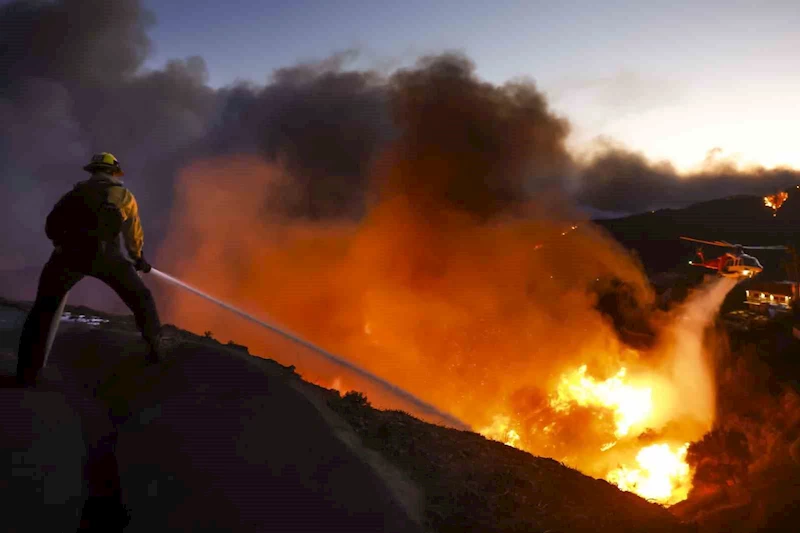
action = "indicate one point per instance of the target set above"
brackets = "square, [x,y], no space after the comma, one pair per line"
[631,405]
[662,476]
[775,201]
[501,430]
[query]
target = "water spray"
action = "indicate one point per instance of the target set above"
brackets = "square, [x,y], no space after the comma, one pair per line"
[51,337]
[397,391]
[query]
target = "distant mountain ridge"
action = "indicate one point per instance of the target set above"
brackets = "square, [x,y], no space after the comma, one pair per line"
[741,219]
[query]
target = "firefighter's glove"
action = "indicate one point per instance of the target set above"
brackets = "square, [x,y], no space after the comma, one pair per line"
[142,265]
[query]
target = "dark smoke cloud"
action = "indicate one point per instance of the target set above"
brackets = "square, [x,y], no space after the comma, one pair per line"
[619,180]
[468,144]
[73,82]
[324,125]
[74,41]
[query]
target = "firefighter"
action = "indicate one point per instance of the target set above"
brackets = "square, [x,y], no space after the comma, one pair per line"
[85,227]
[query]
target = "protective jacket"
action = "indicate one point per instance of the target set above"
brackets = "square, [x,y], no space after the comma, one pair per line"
[124,200]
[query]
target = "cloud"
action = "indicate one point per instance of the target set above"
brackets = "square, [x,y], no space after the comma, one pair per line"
[624,92]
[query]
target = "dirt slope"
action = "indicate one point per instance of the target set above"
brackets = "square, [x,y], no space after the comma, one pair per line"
[206,441]
[214,438]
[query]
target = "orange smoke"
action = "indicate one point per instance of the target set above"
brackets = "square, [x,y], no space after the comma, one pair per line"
[407,297]
[470,316]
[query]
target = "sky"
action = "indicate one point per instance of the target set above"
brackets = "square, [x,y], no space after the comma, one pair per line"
[672,80]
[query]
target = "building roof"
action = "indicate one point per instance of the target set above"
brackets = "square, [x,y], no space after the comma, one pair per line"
[779,288]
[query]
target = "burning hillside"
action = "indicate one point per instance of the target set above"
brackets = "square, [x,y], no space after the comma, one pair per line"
[460,285]
[775,201]
[746,468]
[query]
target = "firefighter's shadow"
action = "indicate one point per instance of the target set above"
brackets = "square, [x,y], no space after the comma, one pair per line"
[103,509]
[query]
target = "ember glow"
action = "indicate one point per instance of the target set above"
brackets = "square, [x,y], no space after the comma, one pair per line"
[775,201]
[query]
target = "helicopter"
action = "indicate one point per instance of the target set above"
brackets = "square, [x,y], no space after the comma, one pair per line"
[735,264]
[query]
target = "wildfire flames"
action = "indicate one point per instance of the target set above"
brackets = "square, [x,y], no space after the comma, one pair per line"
[775,201]
[459,286]
[661,473]
[500,430]
[631,405]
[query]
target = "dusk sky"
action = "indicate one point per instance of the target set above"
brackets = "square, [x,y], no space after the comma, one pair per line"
[672,80]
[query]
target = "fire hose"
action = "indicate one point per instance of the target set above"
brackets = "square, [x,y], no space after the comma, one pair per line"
[337,360]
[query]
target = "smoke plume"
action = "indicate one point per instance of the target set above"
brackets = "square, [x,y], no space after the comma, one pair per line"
[73,82]
[621,181]
[464,283]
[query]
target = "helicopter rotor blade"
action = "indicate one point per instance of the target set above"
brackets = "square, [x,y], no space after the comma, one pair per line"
[712,243]
[777,247]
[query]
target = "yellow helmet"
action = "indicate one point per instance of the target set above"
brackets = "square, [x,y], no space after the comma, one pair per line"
[104,161]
